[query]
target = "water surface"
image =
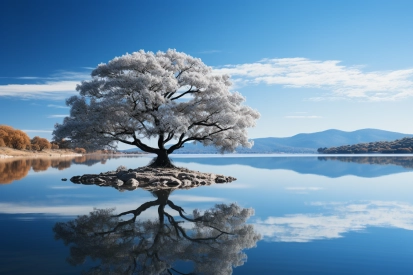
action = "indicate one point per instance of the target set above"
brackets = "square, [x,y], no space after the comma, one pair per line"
[314,215]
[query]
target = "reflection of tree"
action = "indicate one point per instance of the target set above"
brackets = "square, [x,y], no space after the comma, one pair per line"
[16,169]
[213,245]
[61,164]
[41,164]
[406,162]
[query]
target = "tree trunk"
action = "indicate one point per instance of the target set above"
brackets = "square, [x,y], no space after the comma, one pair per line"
[162,160]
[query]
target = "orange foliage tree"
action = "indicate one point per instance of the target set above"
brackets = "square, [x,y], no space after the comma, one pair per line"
[4,135]
[80,150]
[42,143]
[13,138]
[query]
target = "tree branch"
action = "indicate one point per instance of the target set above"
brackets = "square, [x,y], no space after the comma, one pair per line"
[185,93]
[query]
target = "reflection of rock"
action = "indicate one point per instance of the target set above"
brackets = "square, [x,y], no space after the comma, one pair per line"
[152,178]
[209,242]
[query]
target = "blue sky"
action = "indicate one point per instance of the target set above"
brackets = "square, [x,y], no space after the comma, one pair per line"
[306,66]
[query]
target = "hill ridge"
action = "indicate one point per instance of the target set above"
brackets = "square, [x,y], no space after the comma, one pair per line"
[302,142]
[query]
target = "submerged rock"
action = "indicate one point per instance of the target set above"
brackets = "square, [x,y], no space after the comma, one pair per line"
[152,178]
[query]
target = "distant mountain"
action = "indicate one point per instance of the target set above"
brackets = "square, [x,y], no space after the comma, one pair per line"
[302,143]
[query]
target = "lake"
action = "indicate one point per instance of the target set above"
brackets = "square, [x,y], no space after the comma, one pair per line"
[283,215]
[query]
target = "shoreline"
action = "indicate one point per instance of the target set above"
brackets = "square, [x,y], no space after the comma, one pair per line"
[7,153]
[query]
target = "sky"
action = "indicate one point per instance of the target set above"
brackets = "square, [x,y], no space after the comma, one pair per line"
[306,66]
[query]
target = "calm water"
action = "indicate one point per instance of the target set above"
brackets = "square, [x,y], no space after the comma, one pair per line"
[313,215]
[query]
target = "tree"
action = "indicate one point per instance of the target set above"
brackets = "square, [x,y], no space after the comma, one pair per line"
[42,143]
[55,146]
[13,138]
[5,132]
[169,96]
[19,140]
[213,245]
[80,150]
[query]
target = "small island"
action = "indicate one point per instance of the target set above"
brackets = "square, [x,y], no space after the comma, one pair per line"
[399,146]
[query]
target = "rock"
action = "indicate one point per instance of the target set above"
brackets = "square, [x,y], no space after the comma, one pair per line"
[152,178]
[64,179]
[127,176]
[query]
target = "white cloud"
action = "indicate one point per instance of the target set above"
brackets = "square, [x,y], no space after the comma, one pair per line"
[341,218]
[37,131]
[344,82]
[303,117]
[57,106]
[210,51]
[56,87]
[56,116]
[57,90]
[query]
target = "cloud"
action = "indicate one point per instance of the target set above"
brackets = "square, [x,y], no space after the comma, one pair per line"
[57,90]
[341,218]
[57,106]
[188,198]
[210,51]
[37,131]
[65,187]
[72,210]
[303,117]
[56,116]
[55,87]
[342,82]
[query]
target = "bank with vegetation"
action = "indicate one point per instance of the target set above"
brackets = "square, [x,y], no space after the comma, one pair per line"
[399,146]
[15,142]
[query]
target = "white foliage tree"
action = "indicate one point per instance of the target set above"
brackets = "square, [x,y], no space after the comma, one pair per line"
[169,96]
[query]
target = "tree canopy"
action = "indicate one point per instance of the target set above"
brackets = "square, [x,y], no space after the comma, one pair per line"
[399,146]
[169,96]
[13,138]
[41,143]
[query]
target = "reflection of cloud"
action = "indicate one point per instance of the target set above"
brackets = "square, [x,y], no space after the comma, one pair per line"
[65,187]
[233,185]
[73,210]
[304,188]
[71,196]
[342,218]
[345,81]
[187,198]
